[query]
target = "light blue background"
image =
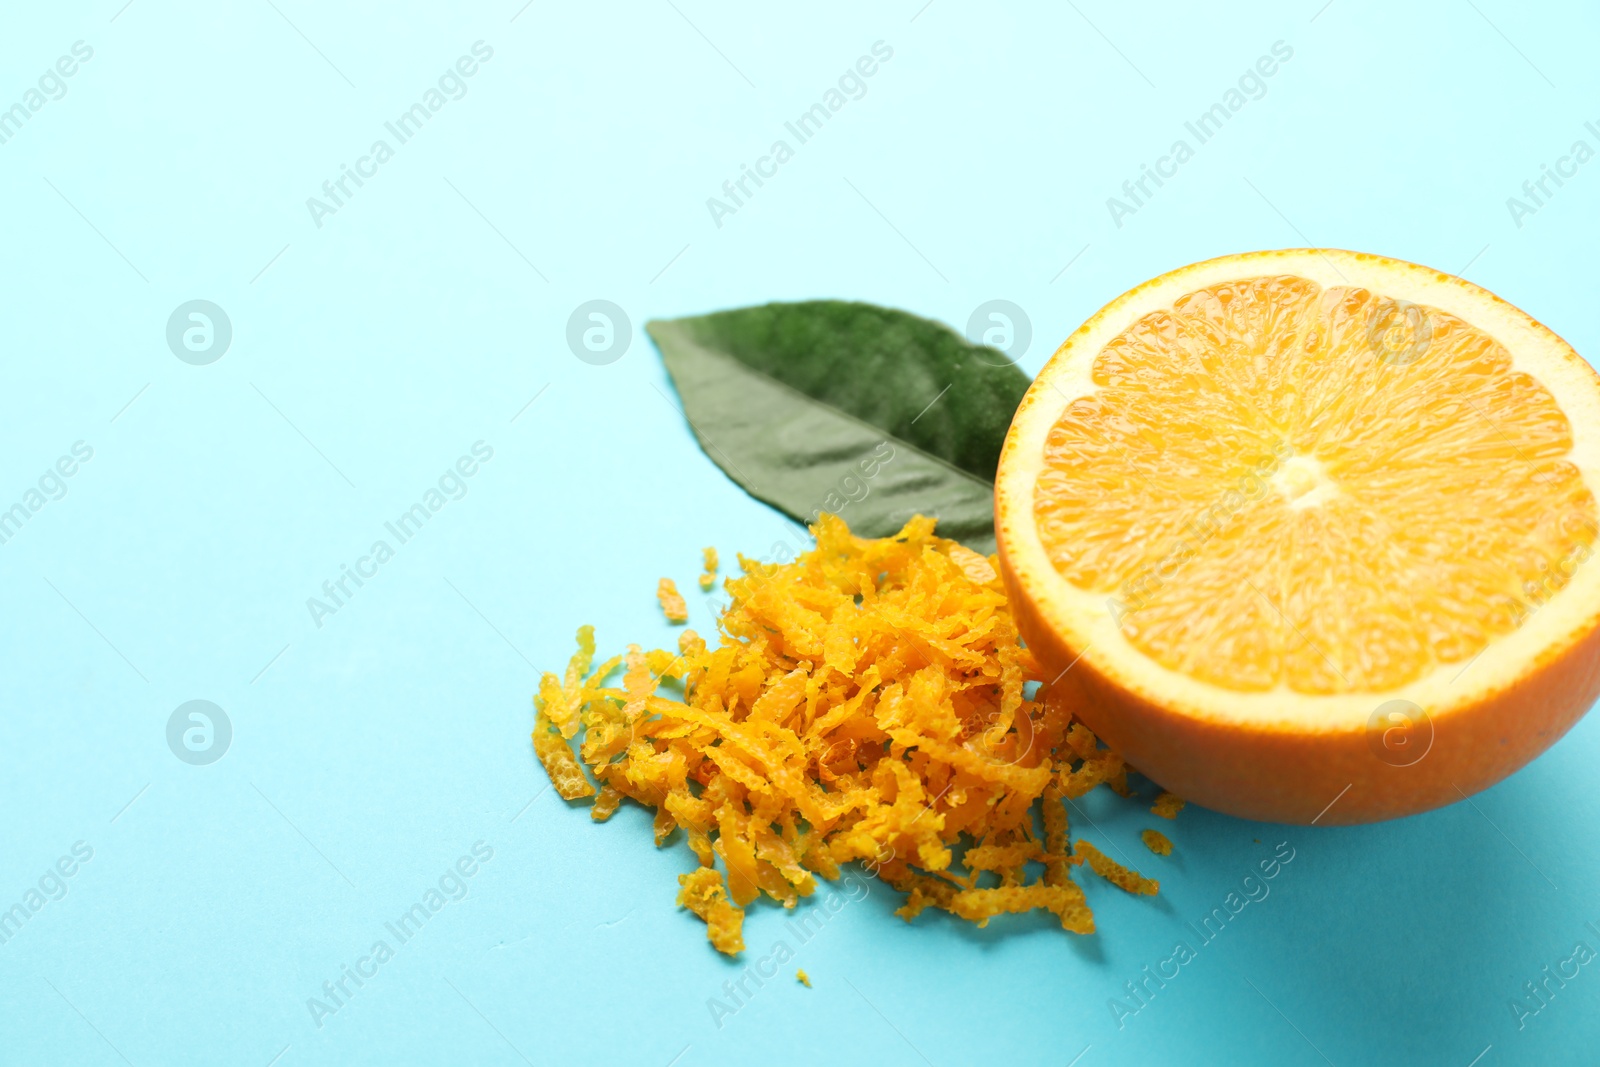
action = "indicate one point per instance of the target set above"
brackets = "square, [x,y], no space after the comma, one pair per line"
[370,353]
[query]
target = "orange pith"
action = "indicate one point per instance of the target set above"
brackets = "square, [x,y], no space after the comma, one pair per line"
[1254,486]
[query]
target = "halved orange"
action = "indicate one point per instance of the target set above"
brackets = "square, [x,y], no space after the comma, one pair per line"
[1309,532]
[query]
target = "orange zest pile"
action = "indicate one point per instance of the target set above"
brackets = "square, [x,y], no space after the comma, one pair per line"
[865,703]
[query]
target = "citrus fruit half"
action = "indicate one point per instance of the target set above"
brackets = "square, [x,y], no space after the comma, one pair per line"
[1309,533]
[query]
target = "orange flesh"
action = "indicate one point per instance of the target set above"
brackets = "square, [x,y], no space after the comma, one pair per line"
[1254,485]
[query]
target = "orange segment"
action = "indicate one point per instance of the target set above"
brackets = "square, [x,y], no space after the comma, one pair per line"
[1262,495]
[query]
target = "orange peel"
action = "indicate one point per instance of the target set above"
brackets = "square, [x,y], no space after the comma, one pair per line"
[1156,842]
[1167,805]
[672,605]
[868,702]
[1125,878]
[703,894]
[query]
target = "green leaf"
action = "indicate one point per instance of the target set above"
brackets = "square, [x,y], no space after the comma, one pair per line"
[868,412]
